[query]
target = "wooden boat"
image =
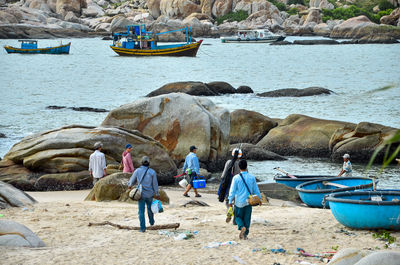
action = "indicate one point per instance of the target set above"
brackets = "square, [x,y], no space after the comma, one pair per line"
[253,36]
[136,41]
[312,193]
[30,47]
[293,182]
[367,209]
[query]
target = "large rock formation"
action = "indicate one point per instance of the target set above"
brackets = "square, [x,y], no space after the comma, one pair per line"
[178,121]
[13,197]
[302,135]
[295,92]
[58,159]
[178,8]
[360,142]
[249,126]
[13,234]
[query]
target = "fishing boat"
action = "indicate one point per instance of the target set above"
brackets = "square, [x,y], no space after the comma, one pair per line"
[312,193]
[136,41]
[293,182]
[253,36]
[366,209]
[31,47]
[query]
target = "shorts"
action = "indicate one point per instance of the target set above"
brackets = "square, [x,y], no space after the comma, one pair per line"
[191,177]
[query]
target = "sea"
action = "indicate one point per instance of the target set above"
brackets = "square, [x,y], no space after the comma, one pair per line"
[365,80]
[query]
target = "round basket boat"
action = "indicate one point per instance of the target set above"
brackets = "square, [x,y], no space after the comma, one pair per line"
[312,193]
[367,209]
[300,179]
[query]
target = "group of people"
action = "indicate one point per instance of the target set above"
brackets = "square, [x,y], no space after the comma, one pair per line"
[237,184]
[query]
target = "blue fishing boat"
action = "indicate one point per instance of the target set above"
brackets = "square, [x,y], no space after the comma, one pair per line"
[136,41]
[366,209]
[300,179]
[312,193]
[31,47]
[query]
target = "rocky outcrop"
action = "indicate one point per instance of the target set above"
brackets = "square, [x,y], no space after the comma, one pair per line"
[392,19]
[109,188]
[222,7]
[18,31]
[321,4]
[13,234]
[154,8]
[302,135]
[254,152]
[58,159]
[13,197]
[178,121]
[249,126]
[360,142]
[178,8]
[63,6]
[361,27]
[294,92]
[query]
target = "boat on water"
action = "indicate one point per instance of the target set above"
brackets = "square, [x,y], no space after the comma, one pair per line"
[300,179]
[253,36]
[312,193]
[136,41]
[367,209]
[31,47]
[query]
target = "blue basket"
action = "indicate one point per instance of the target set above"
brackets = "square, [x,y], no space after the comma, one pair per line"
[199,182]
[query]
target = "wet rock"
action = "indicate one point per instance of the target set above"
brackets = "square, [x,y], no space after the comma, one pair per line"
[88,109]
[190,88]
[254,152]
[221,88]
[2,135]
[294,92]
[316,42]
[244,90]
[249,126]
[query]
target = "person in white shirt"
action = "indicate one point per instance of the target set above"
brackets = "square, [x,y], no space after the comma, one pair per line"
[97,163]
[347,168]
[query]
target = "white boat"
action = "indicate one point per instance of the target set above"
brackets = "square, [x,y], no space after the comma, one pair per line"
[253,36]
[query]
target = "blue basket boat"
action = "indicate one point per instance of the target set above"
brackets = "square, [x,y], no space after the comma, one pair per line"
[300,179]
[312,193]
[31,47]
[367,209]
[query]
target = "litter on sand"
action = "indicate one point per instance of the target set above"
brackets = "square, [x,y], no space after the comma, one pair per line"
[238,259]
[179,235]
[218,244]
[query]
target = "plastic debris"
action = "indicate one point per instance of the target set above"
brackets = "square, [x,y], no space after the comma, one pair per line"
[178,235]
[238,259]
[218,244]
[1,215]
[278,250]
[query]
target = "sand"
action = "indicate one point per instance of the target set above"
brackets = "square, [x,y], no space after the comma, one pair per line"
[61,220]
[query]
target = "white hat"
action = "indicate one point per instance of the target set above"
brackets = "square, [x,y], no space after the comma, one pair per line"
[239,151]
[346,156]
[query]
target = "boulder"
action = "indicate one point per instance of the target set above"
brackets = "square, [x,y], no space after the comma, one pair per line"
[40,5]
[58,157]
[302,135]
[71,17]
[63,6]
[198,28]
[244,5]
[52,5]
[321,4]
[322,29]
[249,126]
[360,141]
[294,92]
[13,234]
[178,8]
[314,15]
[92,10]
[279,191]
[254,152]
[206,7]
[119,23]
[178,121]
[163,196]
[244,90]
[311,91]
[16,175]
[381,257]
[221,88]
[348,256]
[190,88]
[7,18]
[109,188]
[392,19]
[154,8]
[13,197]
[221,7]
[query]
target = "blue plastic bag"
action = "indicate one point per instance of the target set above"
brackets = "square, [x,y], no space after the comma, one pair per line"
[156,206]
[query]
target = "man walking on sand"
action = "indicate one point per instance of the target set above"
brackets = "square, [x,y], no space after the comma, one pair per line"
[97,163]
[193,168]
[241,184]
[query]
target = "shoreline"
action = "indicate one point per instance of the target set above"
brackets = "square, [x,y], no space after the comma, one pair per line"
[61,220]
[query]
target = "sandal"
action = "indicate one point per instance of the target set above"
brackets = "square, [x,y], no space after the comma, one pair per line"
[186,195]
[198,195]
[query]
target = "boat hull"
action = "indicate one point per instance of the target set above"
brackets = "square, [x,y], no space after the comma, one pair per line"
[312,193]
[184,50]
[300,179]
[238,40]
[357,210]
[62,49]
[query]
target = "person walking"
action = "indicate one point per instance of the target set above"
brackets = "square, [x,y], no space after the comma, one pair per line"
[347,169]
[230,170]
[147,178]
[241,183]
[97,163]
[127,160]
[192,167]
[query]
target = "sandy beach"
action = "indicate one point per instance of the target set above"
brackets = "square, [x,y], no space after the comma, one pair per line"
[61,220]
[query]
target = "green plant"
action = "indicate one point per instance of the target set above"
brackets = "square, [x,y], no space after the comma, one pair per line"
[384,4]
[384,236]
[335,248]
[233,16]
[281,6]
[384,12]
[293,11]
[295,2]
[346,13]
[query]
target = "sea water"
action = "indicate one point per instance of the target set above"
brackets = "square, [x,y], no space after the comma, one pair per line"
[365,80]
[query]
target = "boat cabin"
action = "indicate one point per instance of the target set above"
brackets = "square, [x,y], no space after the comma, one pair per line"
[253,34]
[135,37]
[28,44]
